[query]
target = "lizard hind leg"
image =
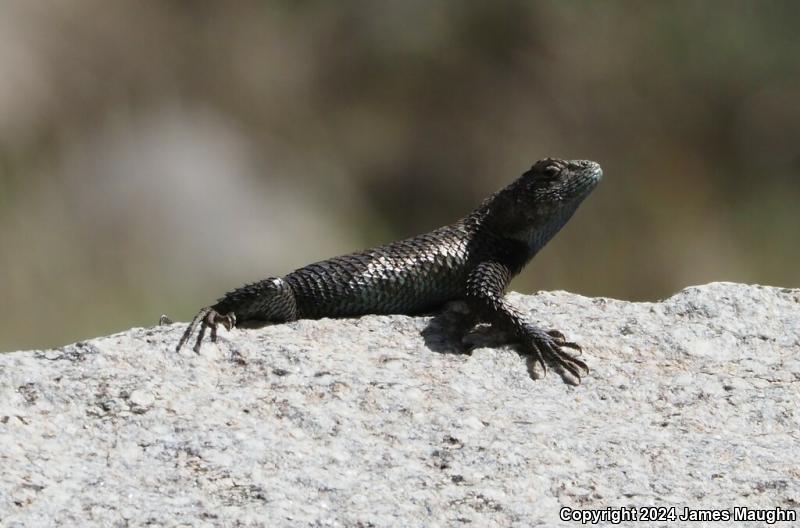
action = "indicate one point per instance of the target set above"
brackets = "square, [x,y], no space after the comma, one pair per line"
[207,318]
[270,300]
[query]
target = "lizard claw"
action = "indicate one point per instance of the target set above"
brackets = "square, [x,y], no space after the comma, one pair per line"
[549,345]
[539,357]
[561,341]
[206,318]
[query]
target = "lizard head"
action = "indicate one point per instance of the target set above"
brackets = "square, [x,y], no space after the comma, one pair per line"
[534,207]
[554,184]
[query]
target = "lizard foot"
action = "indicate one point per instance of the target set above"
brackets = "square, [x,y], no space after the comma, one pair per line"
[550,345]
[206,318]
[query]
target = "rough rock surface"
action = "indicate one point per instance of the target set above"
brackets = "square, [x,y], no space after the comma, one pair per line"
[379,421]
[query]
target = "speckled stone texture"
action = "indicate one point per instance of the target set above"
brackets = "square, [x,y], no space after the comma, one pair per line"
[384,421]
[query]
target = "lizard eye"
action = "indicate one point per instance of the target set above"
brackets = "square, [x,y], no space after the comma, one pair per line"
[546,170]
[551,172]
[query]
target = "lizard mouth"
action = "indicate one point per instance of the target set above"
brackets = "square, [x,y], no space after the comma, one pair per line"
[596,170]
[590,169]
[586,175]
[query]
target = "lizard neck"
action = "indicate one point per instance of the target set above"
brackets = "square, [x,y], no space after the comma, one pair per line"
[526,236]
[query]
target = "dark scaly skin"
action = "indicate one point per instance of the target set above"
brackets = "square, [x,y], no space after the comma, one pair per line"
[473,259]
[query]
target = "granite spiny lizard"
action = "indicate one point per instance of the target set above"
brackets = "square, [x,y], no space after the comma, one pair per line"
[472,259]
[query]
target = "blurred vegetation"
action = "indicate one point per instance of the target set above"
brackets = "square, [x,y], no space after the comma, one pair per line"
[156,154]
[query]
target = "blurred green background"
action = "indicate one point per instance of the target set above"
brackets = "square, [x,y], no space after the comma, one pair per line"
[155,154]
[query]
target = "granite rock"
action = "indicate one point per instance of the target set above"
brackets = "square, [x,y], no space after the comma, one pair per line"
[692,402]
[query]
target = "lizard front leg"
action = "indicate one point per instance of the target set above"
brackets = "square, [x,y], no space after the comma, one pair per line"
[485,286]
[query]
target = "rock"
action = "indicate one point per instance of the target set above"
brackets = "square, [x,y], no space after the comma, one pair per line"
[381,421]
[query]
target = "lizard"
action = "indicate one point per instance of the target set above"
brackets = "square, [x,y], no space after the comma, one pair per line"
[471,260]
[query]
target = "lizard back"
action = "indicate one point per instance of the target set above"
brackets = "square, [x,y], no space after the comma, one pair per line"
[407,276]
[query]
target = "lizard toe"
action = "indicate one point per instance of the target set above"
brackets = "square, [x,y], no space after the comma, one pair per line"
[551,345]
